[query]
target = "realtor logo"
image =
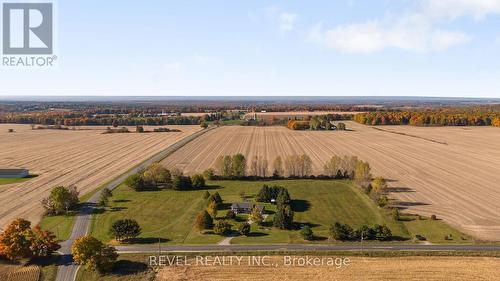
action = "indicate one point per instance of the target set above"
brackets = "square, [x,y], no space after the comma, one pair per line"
[27,28]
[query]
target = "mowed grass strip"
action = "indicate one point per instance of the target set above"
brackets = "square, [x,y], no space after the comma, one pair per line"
[169,214]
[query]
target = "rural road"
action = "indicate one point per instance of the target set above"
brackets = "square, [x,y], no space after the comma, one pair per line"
[305,247]
[67,270]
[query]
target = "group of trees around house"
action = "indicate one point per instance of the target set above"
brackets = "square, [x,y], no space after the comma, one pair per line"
[344,232]
[207,219]
[156,177]
[21,242]
[236,167]
[316,123]
[283,218]
[61,200]
[443,117]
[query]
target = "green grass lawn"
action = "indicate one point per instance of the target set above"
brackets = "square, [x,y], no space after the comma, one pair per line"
[434,230]
[61,225]
[15,180]
[168,214]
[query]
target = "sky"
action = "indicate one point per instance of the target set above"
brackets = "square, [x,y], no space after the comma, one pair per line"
[446,48]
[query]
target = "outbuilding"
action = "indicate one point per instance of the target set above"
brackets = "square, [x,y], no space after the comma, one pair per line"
[246,208]
[14,173]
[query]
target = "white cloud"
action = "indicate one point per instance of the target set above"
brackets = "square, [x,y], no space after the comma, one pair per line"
[204,60]
[286,21]
[414,31]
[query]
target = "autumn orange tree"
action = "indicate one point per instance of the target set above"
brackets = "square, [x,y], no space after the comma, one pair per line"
[19,241]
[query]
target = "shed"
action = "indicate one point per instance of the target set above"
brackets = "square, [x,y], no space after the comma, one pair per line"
[14,173]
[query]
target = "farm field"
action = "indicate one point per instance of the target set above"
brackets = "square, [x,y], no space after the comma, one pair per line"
[436,170]
[169,214]
[373,269]
[85,158]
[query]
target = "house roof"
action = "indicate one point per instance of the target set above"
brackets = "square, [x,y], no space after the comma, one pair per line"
[246,205]
[12,171]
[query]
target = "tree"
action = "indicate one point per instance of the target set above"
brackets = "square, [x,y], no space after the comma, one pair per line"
[244,229]
[382,232]
[43,242]
[278,170]
[93,254]
[157,174]
[115,123]
[332,166]
[283,198]
[227,164]
[139,129]
[103,200]
[341,231]
[182,183]
[15,241]
[61,200]
[341,126]
[362,175]
[209,174]
[379,185]
[219,165]
[307,233]
[136,182]
[256,216]
[283,218]
[204,125]
[212,209]
[230,215]
[125,229]
[203,221]
[206,194]
[198,181]
[222,227]
[238,165]
[395,214]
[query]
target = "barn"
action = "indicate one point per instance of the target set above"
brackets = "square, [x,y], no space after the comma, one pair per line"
[14,173]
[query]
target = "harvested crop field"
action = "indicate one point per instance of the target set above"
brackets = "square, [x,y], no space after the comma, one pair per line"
[85,158]
[452,172]
[374,269]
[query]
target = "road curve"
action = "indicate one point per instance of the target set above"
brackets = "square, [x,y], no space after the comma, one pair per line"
[67,270]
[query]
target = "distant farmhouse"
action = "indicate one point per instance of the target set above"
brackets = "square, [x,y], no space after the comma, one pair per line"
[14,173]
[245,208]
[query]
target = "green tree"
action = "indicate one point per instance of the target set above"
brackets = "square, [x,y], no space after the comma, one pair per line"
[341,231]
[222,227]
[306,233]
[283,198]
[182,183]
[283,218]
[93,254]
[238,165]
[203,221]
[379,185]
[341,126]
[209,174]
[382,232]
[395,214]
[125,229]
[227,165]
[136,182]
[198,181]
[256,216]
[61,200]
[244,229]
[157,174]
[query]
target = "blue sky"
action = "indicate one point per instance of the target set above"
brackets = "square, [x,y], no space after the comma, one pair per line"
[329,48]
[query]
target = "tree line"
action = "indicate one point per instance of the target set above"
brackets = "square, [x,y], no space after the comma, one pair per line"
[443,117]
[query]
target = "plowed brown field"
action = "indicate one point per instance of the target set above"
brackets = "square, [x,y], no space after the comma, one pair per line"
[373,269]
[453,172]
[84,158]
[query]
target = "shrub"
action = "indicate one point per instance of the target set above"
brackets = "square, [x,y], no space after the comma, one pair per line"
[136,182]
[182,183]
[382,232]
[198,181]
[256,216]
[244,229]
[382,201]
[230,215]
[307,233]
[341,231]
[61,200]
[222,227]
[433,217]
[395,214]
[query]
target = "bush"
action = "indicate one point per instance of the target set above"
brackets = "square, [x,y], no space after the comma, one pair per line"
[341,231]
[198,181]
[382,201]
[136,182]
[182,183]
[222,227]
[61,200]
[230,215]
[307,233]
[215,198]
[395,214]
[244,229]
[125,229]
[382,232]
[433,217]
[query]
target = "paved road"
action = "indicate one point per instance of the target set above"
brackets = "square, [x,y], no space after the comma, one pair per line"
[67,271]
[306,247]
